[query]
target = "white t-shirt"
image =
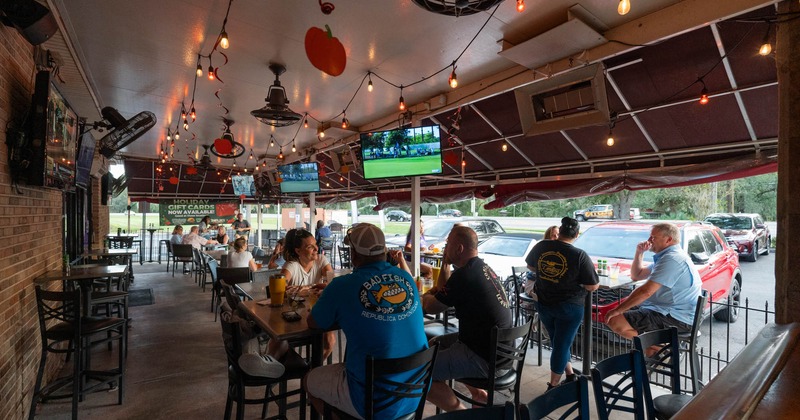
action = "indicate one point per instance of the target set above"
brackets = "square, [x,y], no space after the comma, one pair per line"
[300,277]
[239,259]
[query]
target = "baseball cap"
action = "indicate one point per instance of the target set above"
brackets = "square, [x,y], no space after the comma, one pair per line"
[366,239]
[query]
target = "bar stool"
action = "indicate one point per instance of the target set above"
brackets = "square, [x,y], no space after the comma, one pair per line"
[165,243]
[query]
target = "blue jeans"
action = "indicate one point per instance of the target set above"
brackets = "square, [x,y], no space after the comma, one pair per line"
[561,322]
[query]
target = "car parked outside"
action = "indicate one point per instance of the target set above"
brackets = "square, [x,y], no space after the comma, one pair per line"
[398,216]
[437,230]
[506,250]
[450,213]
[747,231]
[716,262]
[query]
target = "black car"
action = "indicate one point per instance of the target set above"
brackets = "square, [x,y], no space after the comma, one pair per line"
[450,213]
[398,216]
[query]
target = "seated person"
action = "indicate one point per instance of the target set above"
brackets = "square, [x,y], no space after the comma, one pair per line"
[425,269]
[276,259]
[251,361]
[195,240]
[241,257]
[177,235]
[322,234]
[203,227]
[222,235]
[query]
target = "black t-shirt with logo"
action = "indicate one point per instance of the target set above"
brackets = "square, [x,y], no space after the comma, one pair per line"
[480,302]
[561,270]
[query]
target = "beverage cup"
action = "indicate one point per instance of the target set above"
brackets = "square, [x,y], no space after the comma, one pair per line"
[614,272]
[311,299]
[258,266]
[277,289]
[427,284]
[435,275]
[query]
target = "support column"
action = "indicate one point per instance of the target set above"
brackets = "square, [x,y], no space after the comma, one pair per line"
[787,254]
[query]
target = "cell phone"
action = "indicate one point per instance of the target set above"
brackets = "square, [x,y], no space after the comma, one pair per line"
[291,316]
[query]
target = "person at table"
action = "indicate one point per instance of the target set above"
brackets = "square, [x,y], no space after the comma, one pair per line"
[195,240]
[203,226]
[222,235]
[276,259]
[322,233]
[241,226]
[551,233]
[425,269]
[564,275]
[669,296]
[241,257]
[481,304]
[177,235]
[378,309]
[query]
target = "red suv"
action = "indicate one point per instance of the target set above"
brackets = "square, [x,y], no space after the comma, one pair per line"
[747,231]
[717,262]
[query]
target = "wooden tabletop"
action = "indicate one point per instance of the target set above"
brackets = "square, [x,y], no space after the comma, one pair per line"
[122,235]
[83,273]
[111,252]
[270,320]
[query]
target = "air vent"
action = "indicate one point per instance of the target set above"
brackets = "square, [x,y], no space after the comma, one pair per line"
[571,100]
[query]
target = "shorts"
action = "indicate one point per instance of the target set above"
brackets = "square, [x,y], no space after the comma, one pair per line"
[329,383]
[457,361]
[644,320]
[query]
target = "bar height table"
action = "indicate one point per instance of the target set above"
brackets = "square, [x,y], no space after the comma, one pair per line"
[151,231]
[84,276]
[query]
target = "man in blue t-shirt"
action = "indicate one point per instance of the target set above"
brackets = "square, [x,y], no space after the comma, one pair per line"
[669,296]
[378,308]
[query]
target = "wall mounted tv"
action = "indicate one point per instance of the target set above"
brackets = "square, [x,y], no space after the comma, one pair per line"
[402,152]
[243,185]
[299,177]
[53,129]
[86,144]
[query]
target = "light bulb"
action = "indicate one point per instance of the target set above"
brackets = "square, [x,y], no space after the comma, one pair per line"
[345,123]
[704,96]
[185,125]
[294,149]
[177,135]
[199,70]
[305,123]
[223,40]
[169,135]
[321,134]
[210,73]
[765,49]
[463,163]
[183,113]
[402,105]
[271,143]
[193,114]
[610,139]
[280,155]
[624,7]
[504,147]
[520,5]
[369,86]
[453,79]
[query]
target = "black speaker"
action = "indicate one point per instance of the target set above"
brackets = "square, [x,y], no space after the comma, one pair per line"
[105,189]
[34,21]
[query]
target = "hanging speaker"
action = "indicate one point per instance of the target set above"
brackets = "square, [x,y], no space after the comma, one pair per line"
[33,20]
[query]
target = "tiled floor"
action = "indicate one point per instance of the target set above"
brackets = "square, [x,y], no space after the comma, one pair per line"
[176,362]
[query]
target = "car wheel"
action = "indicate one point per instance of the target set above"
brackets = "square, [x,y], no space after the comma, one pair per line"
[580,218]
[730,313]
[753,257]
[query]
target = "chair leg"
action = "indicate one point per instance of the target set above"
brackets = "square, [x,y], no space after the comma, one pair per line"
[38,386]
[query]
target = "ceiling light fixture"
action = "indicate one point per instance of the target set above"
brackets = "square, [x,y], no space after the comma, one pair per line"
[280,154]
[504,147]
[223,40]
[183,111]
[320,131]
[369,84]
[193,114]
[345,122]
[624,7]
[185,125]
[271,140]
[402,104]
[276,113]
[210,72]
[199,68]
[520,5]
[305,121]
[169,135]
[453,80]
[766,46]
[610,138]
[294,149]
[703,93]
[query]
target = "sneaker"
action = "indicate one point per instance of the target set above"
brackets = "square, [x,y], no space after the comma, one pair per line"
[570,378]
[258,365]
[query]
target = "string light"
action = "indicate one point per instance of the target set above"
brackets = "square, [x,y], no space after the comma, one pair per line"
[624,7]
[520,5]
[610,138]
[305,121]
[345,122]
[169,135]
[223,40]
[766,46]
[185,125]
[271,140]
[369,84]
[183,112]
[193,114]
[504,147]
[210,72]
[402,105]
[463,163]
[294,149]
[199,69]
[280,154]
[177,134]
[320,131]
[703,93]
[453,80]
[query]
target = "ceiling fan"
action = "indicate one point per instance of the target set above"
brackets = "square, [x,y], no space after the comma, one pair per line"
[456,7]
[123,132]
[204,163]
[276,113]
[225,146]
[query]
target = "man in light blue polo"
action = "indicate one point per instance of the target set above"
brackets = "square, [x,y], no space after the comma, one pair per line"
[669,296]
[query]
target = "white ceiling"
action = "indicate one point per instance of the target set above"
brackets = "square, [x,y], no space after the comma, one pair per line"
[141,55]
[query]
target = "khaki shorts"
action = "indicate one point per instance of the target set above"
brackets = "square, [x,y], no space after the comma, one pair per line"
[329,384]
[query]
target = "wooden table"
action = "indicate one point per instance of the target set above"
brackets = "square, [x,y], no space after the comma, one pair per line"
[270,320]
[114,252]
[136,240]
[84,276]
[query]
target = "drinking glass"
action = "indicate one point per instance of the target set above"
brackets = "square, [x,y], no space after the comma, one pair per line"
[435,275]
[427,284]
[277,289]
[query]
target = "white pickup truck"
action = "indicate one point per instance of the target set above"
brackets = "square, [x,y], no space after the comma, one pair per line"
[602,211]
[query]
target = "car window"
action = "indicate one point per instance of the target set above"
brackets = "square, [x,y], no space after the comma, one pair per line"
[617,242]
[712,244]
[510,247]
[438,229]
[494,227]
[478,227]
[694,243]
[730,222]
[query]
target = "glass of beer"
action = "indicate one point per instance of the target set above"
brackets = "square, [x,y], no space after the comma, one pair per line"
[311,299]
[277,289]
[435,274]
[427,284]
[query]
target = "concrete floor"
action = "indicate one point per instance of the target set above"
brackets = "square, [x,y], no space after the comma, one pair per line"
[176,364]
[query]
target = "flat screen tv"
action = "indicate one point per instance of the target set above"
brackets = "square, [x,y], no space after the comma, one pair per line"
[299,177]
[53,137]
[243,185]
[86,144]
[402,152]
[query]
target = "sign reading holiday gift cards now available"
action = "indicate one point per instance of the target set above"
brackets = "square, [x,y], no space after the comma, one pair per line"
[189,212]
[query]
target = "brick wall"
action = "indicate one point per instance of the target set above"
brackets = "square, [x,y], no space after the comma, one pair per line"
[30,224]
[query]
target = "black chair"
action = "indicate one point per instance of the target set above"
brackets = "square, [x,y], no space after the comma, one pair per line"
[344,257]
[181,253]
[169,254]
[573,397]
[666,362]
[120,242]
[619,384]
[497,412]
[65,331]
[163,243]
[695,374]
[382,392]
[509,346]
[238,381]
